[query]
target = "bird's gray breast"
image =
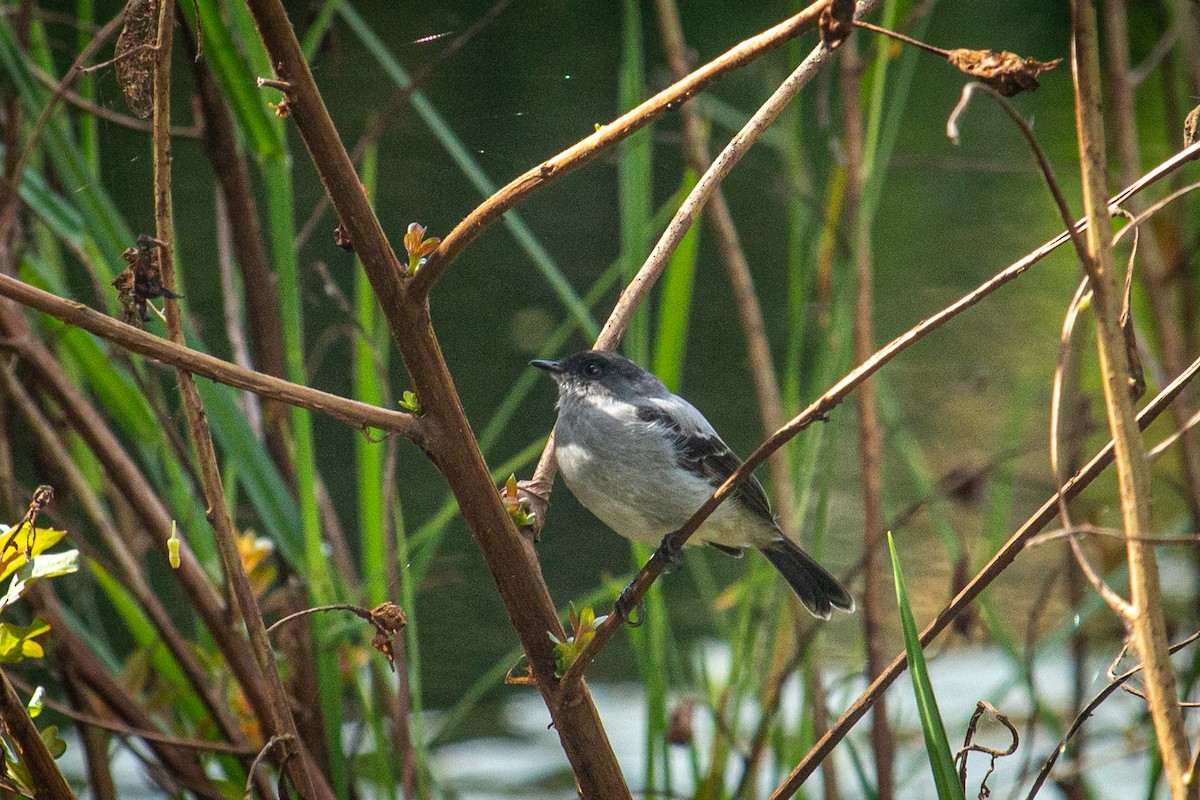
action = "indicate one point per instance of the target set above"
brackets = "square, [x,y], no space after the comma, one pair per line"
[617,465]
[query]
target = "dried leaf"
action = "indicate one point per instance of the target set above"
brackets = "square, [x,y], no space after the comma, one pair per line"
[388,619]
[680,727]
[134,60]
[141,281]
[836,22]
[1007,73]
[1189,127]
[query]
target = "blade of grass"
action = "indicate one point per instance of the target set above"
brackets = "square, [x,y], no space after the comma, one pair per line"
[635,177]
[941,759]
[675,302]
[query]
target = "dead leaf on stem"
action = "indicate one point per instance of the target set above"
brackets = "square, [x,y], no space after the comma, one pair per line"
[388,619]
[1007,73]
[141,281]
[134,60]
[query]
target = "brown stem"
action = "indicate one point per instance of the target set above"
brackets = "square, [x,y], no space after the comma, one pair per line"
[1148,625]
[303,773]
[261,293]
[450,443]
[96,740]
[870,434]
[128,570]
[104,113]
[113,726]
[181,357]
[900,37]
[999,562]
[182,764]
[133,488]
[1156,272]
[608,135]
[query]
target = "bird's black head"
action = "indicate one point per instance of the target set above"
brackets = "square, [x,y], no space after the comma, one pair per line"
[601,371]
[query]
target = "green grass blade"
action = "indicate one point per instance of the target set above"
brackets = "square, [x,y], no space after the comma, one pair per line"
[236,78]
[635,177]
[675,302]
[941,758]
[367,372]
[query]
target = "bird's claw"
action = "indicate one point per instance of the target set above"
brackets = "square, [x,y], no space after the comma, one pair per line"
[625,608]
[670,552]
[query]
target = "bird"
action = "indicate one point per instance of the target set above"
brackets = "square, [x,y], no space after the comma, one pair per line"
[643,461]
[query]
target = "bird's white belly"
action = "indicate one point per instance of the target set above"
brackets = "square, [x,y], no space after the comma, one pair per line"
[647,513]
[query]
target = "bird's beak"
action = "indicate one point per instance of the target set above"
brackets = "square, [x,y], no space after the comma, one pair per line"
[553,367]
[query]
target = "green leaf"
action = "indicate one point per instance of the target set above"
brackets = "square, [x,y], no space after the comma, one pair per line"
[583,628]
[53,741]
[44,566]
[941,760]
[16,642]
[36,702]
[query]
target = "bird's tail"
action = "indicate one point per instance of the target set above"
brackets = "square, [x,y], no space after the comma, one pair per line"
[817,589]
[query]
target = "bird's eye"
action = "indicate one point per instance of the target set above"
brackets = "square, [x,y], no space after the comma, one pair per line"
[592,369]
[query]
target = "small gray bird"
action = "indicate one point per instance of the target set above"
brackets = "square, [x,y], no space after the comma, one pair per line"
[644,460]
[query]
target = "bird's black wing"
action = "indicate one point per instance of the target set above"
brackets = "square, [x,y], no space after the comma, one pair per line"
[702,452]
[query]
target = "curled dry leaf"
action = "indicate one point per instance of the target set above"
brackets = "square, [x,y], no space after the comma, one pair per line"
[680,727]
[134,59]
[388,619]
[141,280]
[1189,127]
[836,22]
[1007,73]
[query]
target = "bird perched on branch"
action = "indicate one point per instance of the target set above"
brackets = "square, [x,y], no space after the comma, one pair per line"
[644,460]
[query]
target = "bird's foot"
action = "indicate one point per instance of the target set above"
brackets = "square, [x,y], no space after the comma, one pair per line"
[670,552]
[625,608]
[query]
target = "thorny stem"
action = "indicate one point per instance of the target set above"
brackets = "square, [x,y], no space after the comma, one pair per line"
[1147,624]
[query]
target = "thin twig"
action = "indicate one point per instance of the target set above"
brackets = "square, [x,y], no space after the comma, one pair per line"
[16,169]
[353,412]
[105,113]
[1086,714]
[305,777]
[262,756]
[113,726]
